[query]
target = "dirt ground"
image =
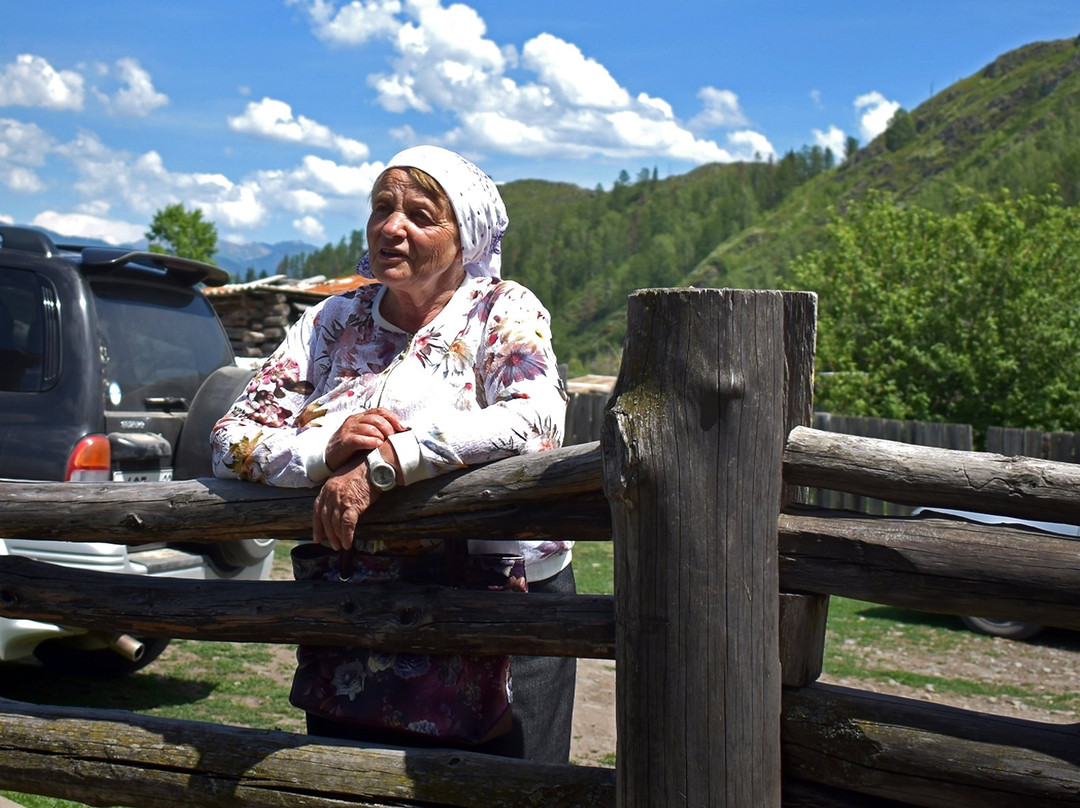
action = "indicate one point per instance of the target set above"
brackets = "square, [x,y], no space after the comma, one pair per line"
[593,739]
[1047,666]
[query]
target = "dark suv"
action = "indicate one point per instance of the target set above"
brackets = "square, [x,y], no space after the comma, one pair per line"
[113,367]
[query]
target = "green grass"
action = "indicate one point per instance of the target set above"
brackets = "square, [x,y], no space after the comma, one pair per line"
[594,567]
[859,633]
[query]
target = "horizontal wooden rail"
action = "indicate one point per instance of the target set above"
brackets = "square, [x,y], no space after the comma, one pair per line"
[113,757]
[945,565]
[387,617]
[517,494]
[511,498]
[940,565]
[926,754]
[858,742]
[920,475]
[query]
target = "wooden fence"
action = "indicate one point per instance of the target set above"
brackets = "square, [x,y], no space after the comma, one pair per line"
[717,623]
[589,396]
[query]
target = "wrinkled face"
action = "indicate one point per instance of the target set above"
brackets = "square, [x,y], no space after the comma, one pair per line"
[412,235]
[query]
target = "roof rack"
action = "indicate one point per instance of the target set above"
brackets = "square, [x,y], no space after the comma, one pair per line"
[26,239]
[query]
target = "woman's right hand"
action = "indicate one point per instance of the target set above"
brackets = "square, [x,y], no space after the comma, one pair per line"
[360,434]
[340,503]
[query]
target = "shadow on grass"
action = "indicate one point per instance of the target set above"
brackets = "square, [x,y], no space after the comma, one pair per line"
[144,690]
[1057,638]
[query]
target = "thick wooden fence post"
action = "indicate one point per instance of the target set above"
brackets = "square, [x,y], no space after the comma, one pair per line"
[692,446]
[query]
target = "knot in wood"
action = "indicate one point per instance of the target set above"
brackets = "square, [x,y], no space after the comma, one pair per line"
[133,522]
[731,384]
[8,597]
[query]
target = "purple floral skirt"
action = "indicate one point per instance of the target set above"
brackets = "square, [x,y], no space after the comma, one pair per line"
[463,699]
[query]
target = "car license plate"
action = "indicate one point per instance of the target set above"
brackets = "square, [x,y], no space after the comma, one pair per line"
[143,476]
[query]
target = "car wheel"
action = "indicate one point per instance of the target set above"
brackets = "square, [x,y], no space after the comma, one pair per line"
[64,657]
[241,552]
[1009,629]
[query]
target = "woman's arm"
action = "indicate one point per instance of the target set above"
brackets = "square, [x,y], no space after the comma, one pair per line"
[522,401]
[265,437]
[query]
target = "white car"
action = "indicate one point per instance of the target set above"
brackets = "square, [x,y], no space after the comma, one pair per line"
[1010,629]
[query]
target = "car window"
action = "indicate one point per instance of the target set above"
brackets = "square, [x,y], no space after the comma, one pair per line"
[24,329]
[158,343]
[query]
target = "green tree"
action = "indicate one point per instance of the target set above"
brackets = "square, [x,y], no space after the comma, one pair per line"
[971,318]
[178,231]
[900,130]
[851,146]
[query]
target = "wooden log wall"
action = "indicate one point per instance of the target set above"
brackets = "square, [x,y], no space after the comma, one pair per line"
[256,319]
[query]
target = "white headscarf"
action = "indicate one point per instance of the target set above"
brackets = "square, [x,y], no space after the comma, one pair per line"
[475,199]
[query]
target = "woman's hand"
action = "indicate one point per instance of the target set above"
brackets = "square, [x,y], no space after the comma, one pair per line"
[343,498]
[361,433]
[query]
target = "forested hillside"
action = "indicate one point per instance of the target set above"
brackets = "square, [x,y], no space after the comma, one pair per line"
[1013,125]
[583,251]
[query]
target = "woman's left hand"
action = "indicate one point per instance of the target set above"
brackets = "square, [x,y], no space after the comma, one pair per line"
[340,503]
[361,432]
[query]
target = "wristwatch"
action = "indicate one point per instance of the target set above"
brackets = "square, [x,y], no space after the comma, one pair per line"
[382,475]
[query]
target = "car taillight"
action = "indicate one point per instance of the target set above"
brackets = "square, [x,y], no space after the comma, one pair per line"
[90,460]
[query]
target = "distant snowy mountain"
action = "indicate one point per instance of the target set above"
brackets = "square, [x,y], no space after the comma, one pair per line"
[263,258]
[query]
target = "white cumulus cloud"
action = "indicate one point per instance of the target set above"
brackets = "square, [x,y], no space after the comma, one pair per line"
[833,139]
[874,111]
[548,100]
[23,148]
[144,185]
[749,145]
[30,81]
[310,228]
[85,225]
[274,120]
[721,110]
[353,24]
[571,76]
[137,97]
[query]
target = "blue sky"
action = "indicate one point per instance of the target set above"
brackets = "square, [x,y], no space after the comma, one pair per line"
[274,116]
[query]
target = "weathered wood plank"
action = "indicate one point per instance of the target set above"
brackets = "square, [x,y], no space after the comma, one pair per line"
[947,478]
[696,421]
[949,566]
[390,617]
[803,621]
[112,757]
[510,498]
[943,565]
[802,616]
[927,754]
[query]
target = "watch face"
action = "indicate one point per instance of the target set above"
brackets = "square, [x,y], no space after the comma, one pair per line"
[383,475]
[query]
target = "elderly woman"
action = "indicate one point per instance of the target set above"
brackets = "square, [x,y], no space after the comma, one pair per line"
[438,365]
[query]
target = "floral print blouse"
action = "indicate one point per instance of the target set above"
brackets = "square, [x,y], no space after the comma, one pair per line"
[478,383]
